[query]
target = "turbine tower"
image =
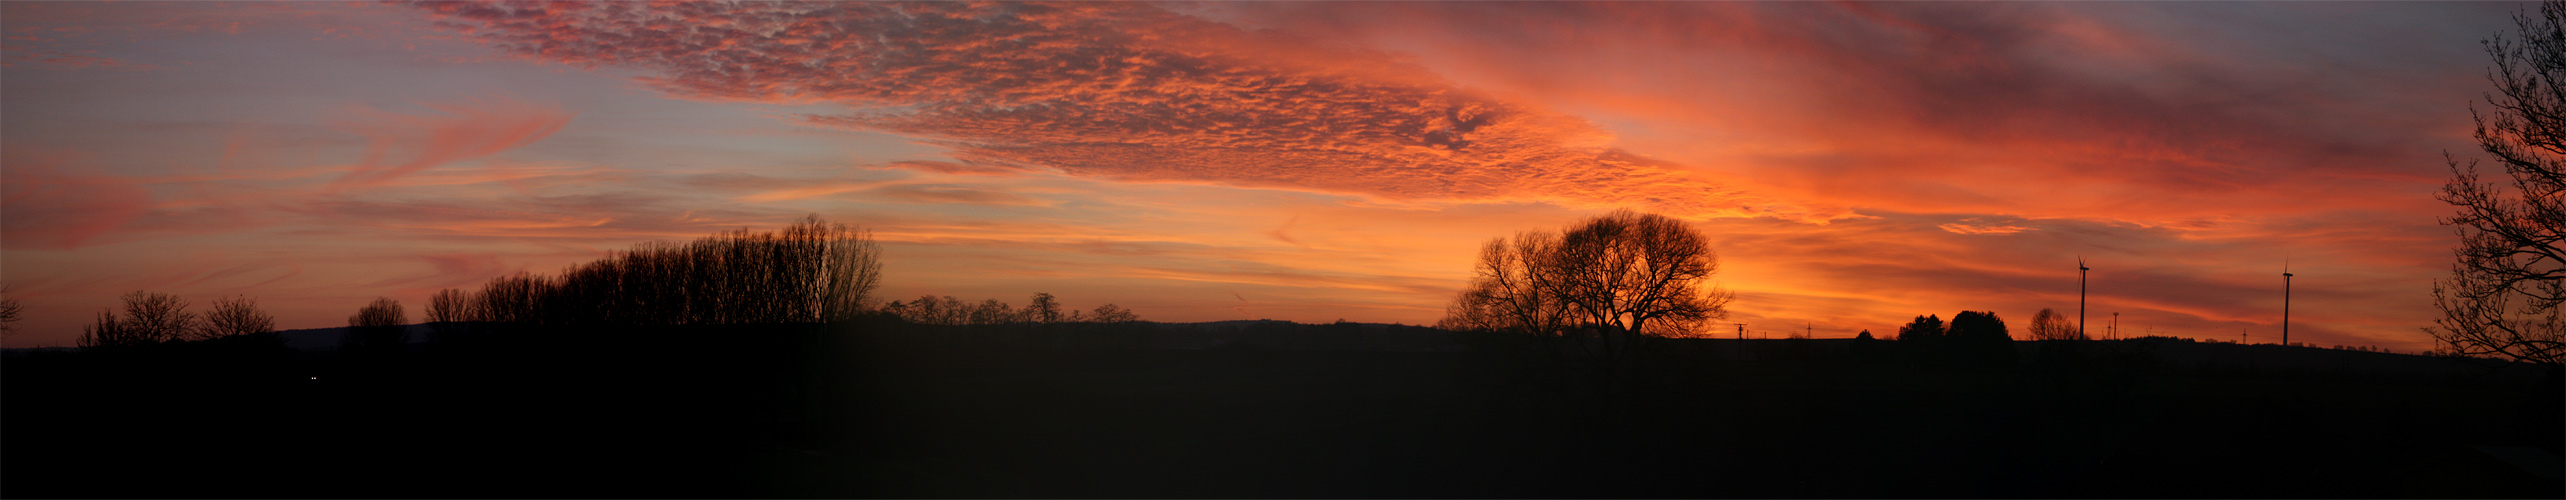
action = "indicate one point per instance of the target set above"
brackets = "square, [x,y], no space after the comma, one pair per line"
[2285,302]
[2080,296]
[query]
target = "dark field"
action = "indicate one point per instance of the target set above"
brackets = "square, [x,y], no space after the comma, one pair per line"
[798,412]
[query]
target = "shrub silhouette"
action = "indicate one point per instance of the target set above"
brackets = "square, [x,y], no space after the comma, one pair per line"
[378,327]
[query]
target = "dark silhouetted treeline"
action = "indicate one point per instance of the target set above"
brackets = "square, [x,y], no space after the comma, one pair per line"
[809,272]
[1043,309]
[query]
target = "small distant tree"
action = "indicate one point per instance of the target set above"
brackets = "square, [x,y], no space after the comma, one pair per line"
[2049,325]
[1043,309]
[991,312]
[379,326]
[108,332]
[234,317]
[1110,313]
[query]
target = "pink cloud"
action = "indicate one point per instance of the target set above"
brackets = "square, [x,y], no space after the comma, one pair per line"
[48,209]
[401,144]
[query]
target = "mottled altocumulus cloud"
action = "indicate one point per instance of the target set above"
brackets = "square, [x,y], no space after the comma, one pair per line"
[1115,90]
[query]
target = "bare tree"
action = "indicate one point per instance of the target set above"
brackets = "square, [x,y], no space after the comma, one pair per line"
[2505,289]
[1511,290]
[1605,284]
[2049,325]
[451,312]
[234,317]
[107,332]
[158,316]
[379,326]
[1110,313]
[150,319]
[1042,309]
[450,306]
[992,312]
[8,312]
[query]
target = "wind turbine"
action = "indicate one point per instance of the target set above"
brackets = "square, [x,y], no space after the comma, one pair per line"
[2285,301]
[2080,295]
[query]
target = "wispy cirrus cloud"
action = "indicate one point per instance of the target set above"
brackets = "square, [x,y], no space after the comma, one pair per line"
[1122,91]
[401,144]
[51,205]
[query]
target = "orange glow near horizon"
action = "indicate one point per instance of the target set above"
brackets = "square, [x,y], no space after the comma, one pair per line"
[1857,164]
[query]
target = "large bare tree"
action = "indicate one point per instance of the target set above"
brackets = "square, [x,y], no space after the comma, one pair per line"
[234,316]
[2502,298]
[150,318]
[1604,285]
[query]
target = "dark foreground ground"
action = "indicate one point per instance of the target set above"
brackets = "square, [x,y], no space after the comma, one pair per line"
[797,412]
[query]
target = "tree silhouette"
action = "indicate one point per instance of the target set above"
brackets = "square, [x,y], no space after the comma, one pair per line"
[378,327]
[2049,325]
[1977,337]
[2504,292]
[150,318]
[1923,330]
[1110,313]
[8,312]
[110,333]
[992,312]
[1604,285]
[450,313]
[1978,327]
[232,317]
[809,272]
[1042,309]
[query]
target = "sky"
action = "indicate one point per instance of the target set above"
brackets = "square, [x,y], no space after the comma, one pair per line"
[1855,164]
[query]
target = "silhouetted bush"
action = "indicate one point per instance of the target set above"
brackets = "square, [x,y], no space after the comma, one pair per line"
[379,327]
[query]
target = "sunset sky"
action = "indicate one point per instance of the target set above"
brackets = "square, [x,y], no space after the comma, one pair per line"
[1856,164]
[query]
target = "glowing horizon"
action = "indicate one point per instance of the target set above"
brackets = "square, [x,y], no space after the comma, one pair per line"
[1858,164]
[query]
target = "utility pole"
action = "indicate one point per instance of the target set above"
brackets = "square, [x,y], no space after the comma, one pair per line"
[2116,325]
[1741,330]
[2080,296]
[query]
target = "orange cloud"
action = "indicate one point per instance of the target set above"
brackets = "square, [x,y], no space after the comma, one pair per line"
[1121,91]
